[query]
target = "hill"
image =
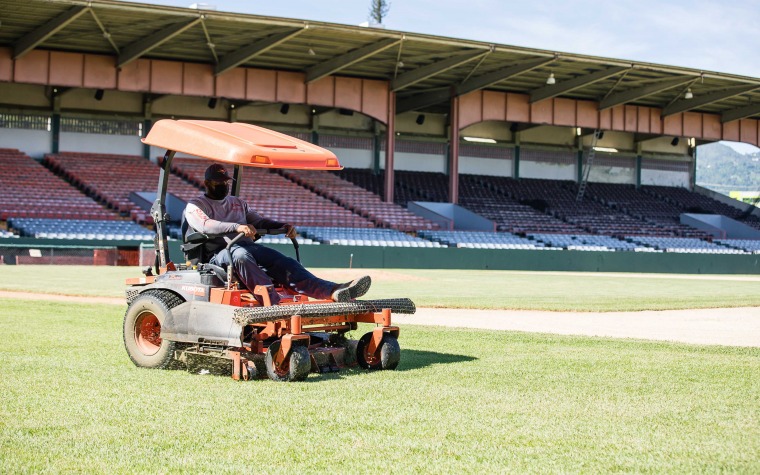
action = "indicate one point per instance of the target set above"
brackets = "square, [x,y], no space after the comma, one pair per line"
[723,169]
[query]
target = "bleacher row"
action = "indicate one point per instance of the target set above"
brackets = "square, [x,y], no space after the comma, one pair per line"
[83,192]
[80,229]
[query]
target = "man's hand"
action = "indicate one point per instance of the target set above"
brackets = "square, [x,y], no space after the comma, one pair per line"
[291,231]
[247,229]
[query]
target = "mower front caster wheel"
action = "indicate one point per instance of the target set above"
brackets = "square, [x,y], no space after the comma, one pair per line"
[295,367]
[387,356]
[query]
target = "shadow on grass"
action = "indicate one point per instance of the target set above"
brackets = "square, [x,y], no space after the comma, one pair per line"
[416,359]
[410,360]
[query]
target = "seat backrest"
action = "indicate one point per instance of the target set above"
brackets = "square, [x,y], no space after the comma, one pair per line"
[194,252]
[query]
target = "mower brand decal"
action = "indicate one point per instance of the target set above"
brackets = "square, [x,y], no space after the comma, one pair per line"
[193,289]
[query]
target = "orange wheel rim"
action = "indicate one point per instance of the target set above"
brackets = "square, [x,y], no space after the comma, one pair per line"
[148,333]
[281,366]
[370,358]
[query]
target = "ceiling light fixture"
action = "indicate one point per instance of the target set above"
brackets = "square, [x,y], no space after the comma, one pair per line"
[479,139]
[688,94]
[606,149]
[550,80]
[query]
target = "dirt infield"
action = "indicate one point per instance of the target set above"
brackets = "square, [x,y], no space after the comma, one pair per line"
[716,326]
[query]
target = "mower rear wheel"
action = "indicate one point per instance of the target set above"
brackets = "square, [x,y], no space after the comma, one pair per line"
[142,329]
[387,355]
[296,367]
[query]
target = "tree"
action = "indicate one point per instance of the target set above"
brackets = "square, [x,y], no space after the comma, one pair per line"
[378,10]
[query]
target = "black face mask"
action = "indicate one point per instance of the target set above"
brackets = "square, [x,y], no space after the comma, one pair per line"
[217,191]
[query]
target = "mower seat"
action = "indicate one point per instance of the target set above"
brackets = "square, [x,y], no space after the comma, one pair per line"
[196,246]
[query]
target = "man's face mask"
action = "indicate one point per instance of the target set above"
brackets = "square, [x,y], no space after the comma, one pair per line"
[217,190]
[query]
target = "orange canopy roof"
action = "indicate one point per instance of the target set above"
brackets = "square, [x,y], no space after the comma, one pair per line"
[237,143]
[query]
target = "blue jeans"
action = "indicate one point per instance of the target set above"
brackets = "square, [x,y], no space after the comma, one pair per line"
[255,264]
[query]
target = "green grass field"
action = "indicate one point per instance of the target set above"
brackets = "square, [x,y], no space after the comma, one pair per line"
[461,401]
[460,289]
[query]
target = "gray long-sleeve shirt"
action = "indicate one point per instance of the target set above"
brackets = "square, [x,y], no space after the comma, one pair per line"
[224,216]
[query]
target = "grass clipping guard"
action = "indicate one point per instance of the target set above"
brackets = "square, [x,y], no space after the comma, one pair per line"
[249,315]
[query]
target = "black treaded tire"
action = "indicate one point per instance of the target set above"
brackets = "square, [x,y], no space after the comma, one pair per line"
[388,355]
[142,329]
[295,368]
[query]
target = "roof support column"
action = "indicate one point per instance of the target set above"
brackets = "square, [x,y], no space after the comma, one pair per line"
[693,168]
[390,146]
[454,152]
[638,165]
[516,158]
[376,141]
[55,123]
[147,124]
[55,132]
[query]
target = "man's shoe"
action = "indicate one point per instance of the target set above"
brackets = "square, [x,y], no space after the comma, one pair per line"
[353,289]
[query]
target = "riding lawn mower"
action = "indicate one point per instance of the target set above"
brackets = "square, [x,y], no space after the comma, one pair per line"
[199,315]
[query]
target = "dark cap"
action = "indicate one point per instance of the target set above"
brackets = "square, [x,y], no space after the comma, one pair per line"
[217,172]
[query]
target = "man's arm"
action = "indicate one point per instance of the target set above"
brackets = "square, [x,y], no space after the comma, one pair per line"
[198,219]
[260,222]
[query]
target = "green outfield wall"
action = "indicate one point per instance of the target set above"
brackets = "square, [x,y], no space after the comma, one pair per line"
[518,259]
[450,258]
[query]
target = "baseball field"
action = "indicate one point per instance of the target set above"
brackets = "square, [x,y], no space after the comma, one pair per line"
[462,400]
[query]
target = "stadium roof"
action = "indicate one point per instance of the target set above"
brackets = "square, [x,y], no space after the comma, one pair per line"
[421,69]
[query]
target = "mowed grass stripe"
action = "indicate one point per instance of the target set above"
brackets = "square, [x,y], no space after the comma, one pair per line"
[572,291]
[461,401]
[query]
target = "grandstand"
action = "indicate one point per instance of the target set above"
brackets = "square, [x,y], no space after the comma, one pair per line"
[360,201]
[72,116]
[533,214]
[481,240]
[80,229]
[29,190]
[110,178]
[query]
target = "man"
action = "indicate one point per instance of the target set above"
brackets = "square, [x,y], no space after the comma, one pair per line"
[216,212]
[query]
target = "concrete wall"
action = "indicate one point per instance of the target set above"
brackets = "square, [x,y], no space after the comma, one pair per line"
[34,143]
[664,178]
[606,174]
[417,162]
[485,166]
[351,158]
[530,169]
[96,143]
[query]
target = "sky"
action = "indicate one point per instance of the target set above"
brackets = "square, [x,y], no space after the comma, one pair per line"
[709,35]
